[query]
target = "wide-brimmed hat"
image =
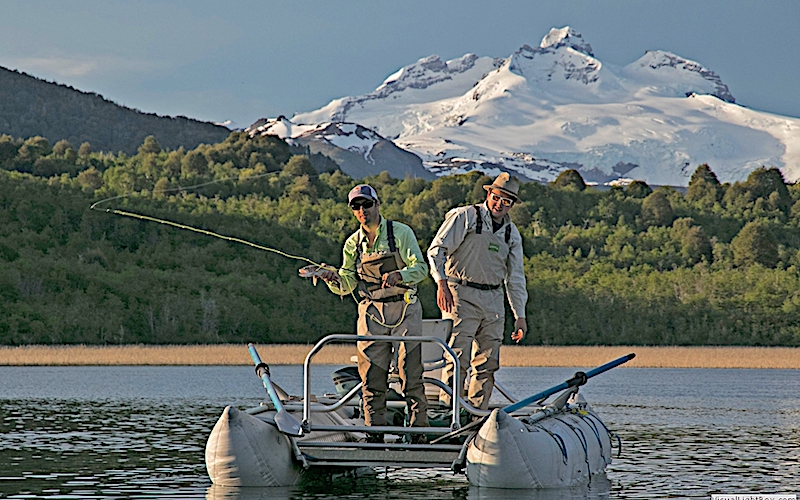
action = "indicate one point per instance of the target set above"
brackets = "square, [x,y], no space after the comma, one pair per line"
[362,191]
[505,183]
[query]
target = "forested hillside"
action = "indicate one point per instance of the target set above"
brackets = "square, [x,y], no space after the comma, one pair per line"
[716,266]
[30,107]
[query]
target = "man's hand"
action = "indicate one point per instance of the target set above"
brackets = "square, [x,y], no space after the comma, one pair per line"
[327,275]
[391,279]
[444,298]
[520,329]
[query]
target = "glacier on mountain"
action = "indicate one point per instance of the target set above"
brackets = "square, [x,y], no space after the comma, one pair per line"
[556,106]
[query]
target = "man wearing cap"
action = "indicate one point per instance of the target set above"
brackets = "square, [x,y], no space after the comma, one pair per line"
[475,251]
[381,265]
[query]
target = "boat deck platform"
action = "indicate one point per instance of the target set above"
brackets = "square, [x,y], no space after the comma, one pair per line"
[330,454]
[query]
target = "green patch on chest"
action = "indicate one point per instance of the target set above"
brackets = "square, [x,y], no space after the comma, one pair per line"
[494,247]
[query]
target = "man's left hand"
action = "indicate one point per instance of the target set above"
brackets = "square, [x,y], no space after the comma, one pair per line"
[520,329]
[391,279]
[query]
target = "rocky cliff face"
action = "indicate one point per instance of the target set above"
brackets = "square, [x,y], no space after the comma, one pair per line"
[358,151]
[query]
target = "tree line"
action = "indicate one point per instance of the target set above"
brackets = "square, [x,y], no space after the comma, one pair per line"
[716,265]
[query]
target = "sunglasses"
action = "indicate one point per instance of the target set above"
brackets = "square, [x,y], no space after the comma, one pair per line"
[358,205]
[506,202]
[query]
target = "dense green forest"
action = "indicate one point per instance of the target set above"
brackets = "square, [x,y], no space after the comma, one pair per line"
[716,265]
[30,106]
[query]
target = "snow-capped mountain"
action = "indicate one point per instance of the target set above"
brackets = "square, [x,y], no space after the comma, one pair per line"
[556,106]
[358,151]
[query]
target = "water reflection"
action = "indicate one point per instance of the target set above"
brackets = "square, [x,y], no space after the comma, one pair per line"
[385,487]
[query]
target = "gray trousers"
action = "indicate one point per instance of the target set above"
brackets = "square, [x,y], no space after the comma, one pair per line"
[478,320]
[374,359]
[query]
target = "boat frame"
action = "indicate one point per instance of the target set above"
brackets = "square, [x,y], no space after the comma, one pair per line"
[350,455]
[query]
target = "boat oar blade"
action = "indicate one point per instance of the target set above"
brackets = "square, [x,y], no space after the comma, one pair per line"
[286,423]
[578,379]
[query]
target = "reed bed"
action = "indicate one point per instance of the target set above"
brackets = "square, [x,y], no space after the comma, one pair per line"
[286,354]
[653,357]
[180,355]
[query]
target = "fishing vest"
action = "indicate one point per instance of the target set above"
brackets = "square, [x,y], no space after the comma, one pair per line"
[370,267]
[481,259]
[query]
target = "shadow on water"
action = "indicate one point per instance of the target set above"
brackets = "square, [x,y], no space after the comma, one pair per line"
[427,485]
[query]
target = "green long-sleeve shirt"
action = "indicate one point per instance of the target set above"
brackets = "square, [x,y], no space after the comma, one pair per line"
[416,268]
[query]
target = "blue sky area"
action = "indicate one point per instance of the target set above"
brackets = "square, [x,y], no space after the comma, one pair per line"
[244,60]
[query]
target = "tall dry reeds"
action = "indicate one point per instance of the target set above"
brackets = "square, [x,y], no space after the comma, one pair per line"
[285,354]
[653,357]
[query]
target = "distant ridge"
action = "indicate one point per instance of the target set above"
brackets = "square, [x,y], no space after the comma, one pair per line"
[30,107]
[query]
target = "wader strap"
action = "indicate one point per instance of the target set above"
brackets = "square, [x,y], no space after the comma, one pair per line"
[479,224]
[479,220]
[390,236]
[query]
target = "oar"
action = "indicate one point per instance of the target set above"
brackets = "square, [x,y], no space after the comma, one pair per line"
[578,379]
[286,423]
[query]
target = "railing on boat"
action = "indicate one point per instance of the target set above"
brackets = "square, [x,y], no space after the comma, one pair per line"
[456,401]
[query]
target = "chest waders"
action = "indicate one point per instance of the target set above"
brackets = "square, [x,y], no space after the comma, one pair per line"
[468,267]
[369,270]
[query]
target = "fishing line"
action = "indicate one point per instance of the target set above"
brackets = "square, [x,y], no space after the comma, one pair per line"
[234,239]
[191,228]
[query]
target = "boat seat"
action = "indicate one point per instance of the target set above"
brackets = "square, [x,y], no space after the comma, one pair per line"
[432,354]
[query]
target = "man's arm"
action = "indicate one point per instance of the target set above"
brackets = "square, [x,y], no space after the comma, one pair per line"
[416,268]
[516,289]
[448,238]
[347,272]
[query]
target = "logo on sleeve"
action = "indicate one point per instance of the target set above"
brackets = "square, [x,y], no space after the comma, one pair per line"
[494,247]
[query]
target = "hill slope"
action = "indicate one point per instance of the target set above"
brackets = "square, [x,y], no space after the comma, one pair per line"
[30,107]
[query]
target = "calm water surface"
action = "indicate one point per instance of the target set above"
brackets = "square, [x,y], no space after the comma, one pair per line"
[140,432]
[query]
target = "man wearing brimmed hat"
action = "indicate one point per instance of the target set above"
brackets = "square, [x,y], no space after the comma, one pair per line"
[476,250]
[381,265]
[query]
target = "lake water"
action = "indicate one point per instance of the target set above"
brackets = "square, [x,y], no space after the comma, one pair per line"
[140,432]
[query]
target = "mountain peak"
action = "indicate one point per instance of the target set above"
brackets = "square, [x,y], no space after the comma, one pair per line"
[566,37]
[662,64]
[563,54]
[424,73]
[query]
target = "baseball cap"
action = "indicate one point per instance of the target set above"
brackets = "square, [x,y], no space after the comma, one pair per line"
[362,191]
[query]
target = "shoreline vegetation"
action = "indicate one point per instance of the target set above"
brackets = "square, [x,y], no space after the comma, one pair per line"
[294,354]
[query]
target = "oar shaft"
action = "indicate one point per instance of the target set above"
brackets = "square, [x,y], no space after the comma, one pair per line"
[578,379]
[262,372]
[611,364]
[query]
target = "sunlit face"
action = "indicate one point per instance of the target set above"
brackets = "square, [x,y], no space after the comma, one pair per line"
[365,210]
[499,203]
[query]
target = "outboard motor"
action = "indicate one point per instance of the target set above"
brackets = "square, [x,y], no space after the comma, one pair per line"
[344,379]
